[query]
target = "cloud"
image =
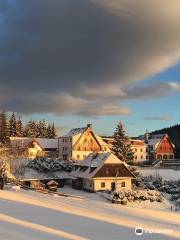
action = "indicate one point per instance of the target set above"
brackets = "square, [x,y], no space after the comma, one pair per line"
[175,86]
[82,57]
[158,118]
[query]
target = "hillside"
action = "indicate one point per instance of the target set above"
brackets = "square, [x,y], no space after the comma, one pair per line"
[174,134]
[31,216]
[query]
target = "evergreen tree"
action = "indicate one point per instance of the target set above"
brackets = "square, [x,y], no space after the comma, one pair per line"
[4,131]
[41,129]
[121,147]
[44,129]
[31,129]
[53,132]
[19,128]
[49,131]
[13,125]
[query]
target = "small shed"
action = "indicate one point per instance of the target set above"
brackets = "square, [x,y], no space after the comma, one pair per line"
[52,186]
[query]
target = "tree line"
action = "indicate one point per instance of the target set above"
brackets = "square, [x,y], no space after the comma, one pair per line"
[14,127]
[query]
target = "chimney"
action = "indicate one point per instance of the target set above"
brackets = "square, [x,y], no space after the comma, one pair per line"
[146,136]
[89,125]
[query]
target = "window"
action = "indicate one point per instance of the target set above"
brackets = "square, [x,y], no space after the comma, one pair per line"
[79,149]
[141,157]
[64,156]
[92,169]
[78,156]
[84,156]
[135,149]
[123,184]
[105,149]
[103,184]
[85,149]
[141,150]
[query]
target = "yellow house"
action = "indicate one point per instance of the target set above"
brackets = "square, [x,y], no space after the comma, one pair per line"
[101,171]
[33,147]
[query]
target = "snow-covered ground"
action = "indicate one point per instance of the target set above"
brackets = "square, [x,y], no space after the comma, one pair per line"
[27,215]
[166,174]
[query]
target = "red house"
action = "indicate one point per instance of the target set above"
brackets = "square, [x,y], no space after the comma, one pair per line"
[160,147]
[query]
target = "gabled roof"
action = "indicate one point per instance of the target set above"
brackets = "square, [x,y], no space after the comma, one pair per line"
[48,143]
[94,165]
[75,131]
[44,143]
[78,133]
[155,140]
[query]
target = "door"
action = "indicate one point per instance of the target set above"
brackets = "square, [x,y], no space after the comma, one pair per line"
[113,186]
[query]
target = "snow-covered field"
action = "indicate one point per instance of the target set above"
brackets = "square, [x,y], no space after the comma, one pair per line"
[27,215]
[166,174]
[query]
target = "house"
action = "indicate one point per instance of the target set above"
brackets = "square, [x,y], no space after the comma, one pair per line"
[80,142]
[33,147]
[160,147]
[139,148]
[101,171]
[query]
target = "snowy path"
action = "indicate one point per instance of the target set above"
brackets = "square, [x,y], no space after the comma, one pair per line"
[29,215]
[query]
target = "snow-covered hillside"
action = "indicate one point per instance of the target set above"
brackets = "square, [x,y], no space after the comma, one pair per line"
[27,215]
[166,174]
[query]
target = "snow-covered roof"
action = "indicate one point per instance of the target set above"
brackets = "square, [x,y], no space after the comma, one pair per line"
[20,142]
[47,143]
[93,163]
[154,142]
[23,142]
[75,131]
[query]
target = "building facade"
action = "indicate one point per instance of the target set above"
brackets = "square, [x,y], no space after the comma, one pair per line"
[139,148]
[79,143]
[101,171]
[33,147]
[160,147]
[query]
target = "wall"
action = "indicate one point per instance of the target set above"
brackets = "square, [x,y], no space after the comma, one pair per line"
[165,150]
[139,149]
[108,181]
[65,146]
[88,185]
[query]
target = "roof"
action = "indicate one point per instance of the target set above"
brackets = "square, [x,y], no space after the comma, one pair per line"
[20,142]
[75,131]
[23,142]
[137,142]
[48,143]
[94,164]
[113,170]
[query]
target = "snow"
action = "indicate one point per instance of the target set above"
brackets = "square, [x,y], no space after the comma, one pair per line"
[166,174]
[48,143]
[33,174]
[27,215]
[75,131]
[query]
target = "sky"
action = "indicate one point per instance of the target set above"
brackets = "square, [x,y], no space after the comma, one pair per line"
[91,61]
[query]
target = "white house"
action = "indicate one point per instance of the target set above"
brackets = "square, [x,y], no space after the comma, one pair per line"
[101,171]
[79,143]
[139,148]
